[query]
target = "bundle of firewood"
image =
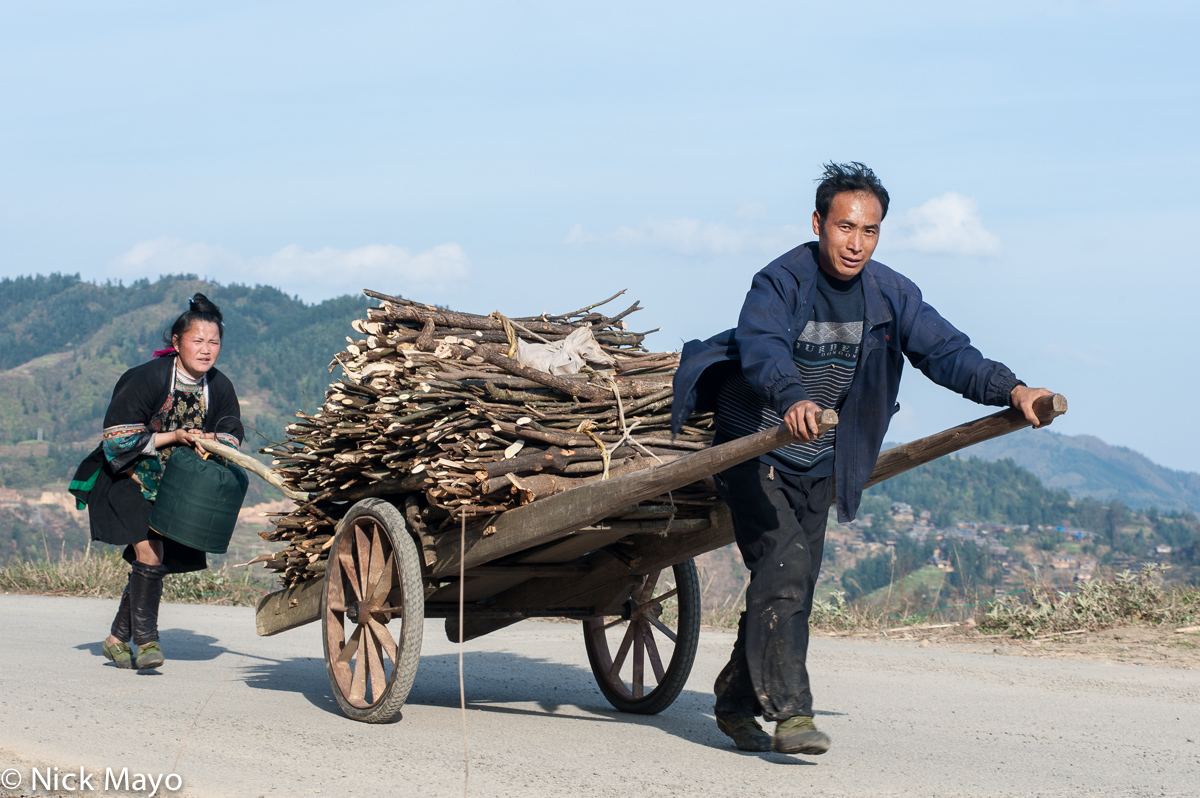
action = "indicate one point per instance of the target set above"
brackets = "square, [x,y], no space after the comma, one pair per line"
[452,414]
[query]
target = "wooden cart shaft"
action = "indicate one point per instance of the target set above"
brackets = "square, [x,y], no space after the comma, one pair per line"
[602,575]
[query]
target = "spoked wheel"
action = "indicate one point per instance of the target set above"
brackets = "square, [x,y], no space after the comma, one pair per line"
[372,612]
[642,657]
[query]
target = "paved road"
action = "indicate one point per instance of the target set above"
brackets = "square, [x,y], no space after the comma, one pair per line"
[245,716]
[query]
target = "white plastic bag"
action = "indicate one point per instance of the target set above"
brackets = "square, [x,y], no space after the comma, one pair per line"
[567,356]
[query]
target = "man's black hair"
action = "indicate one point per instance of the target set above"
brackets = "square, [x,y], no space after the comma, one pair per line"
[853,176]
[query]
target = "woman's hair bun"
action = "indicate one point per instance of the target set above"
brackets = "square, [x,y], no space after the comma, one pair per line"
[200,308]
[199,303]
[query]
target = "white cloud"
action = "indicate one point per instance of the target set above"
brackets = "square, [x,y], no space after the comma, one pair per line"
[751,210]
[313,275]
[579,236]
[694,237]
[945,225]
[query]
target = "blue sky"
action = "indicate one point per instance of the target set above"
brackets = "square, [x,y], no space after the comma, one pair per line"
[530,156]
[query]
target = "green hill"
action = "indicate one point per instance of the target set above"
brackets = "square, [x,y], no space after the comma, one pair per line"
[1084,465]
[969,489]
[955,489]
[64,342]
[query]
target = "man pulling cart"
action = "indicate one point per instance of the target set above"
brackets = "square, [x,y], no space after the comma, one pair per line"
[823,326]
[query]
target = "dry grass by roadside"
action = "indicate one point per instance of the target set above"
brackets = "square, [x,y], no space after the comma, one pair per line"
[1126,598]
[104,576]
[1127,618]
[1124,601]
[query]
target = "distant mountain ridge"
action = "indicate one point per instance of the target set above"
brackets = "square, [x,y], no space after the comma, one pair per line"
[1084,465]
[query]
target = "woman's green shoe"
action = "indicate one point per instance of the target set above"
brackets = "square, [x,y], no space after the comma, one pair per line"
[149,656]
[120,654]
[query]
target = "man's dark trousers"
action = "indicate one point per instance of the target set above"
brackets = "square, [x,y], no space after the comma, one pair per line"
[779,520]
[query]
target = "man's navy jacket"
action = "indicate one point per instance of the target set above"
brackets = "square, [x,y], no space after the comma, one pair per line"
[897,323]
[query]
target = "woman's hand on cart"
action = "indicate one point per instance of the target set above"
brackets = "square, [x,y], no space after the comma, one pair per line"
[188,437]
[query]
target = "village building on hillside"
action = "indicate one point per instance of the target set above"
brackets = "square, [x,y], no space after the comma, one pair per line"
[902,513]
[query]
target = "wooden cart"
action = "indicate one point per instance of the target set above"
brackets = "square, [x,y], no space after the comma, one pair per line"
[593,553]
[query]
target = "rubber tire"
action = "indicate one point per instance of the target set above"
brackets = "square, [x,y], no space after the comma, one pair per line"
[687,635]
[408,564]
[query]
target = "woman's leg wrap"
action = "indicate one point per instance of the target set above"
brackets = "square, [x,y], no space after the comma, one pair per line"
[122,625]
[145,593]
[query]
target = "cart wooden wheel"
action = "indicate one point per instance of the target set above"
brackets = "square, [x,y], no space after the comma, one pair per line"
[372,612]
[654,640]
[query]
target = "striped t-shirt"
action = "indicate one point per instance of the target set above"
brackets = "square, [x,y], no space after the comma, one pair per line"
[826,354]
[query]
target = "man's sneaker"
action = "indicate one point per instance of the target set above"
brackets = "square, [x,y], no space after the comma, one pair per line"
[799,735]
[119,654]
[149,656]
[746,733]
